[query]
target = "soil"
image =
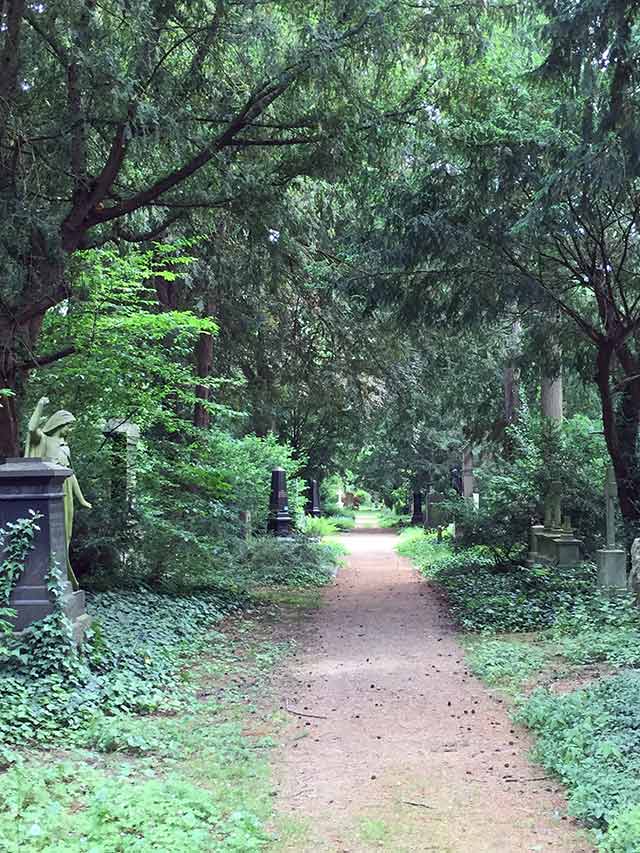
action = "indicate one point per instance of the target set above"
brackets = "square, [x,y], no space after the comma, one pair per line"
[402,749]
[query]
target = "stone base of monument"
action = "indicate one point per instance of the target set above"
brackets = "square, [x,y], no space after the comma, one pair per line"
[554,547]
[35,485]
[612,568]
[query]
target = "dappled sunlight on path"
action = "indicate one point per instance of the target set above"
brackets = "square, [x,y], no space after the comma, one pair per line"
[397,748]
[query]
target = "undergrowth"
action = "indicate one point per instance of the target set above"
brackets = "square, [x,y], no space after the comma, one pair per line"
[590,738]
[171,765]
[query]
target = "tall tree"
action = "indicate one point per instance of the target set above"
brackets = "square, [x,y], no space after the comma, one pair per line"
[119,119]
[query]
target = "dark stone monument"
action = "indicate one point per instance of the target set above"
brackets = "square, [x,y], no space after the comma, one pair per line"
[36,484]
[418,513]
[313,503]
[279,518]
[455,474]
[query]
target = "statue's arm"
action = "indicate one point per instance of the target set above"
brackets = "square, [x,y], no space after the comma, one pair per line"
[36,418]
[77,493]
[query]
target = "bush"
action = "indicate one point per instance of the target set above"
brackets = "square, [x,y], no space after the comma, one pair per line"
[590,738]
[344,522]
[320,526]
[501,662]
[483,597]
[296,561]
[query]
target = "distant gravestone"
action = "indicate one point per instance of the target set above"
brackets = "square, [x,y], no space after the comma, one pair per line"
[123,436]
[279,519]
[37,485]
[417,516]
[611,561]
[313,501]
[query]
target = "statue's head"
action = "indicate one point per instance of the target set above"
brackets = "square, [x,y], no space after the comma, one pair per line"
[60,423]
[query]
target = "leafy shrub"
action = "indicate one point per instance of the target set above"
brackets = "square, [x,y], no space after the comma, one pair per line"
[500,662]
[295,561]
[388,518]
[601,628]
[78,808]
[591,739]
[485,598]
[344,522]
[320,526]
[512,490]
[49,691]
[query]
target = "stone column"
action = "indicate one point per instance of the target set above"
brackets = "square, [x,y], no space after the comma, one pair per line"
[36,484]
[279,518]
[468,479]
[611,561]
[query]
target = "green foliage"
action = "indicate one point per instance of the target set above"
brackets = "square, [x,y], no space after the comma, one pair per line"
[77,808]
[320,526]
[499,662]
[485,598]
[290,562]
[601,628]
[388,518]
[344,522]
[590,738]
[512,489]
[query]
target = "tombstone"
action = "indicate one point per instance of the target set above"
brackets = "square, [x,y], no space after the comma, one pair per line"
[123,436]
[244,517]
[313,501]
[279,519]
[36,484]
[417,516]
[468,479]
[455,476]
[435,515]
[634,576]
[611,561]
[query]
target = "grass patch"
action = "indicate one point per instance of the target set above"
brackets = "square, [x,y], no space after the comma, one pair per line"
[374,831]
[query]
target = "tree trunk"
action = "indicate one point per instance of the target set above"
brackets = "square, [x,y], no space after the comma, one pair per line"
[204,363]
[621,436]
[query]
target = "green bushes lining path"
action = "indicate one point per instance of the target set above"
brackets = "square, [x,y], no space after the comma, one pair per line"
[589,737]
[138,642]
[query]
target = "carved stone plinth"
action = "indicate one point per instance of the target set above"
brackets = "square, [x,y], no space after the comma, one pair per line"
[553,547]
[36,484]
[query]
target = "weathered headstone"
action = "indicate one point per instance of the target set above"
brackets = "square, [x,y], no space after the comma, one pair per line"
[611,561]
[279,518]
[245,523]
[313,501]
[123,436]
[37,484]
[634,575]
[417,516]
[468,479]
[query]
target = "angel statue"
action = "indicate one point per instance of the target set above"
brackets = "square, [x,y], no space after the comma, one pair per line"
[47,438]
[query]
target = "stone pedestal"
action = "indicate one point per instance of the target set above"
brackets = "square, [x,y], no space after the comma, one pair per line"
[279,518]
[36,484]
[612,568]
[417,516]
[553,547]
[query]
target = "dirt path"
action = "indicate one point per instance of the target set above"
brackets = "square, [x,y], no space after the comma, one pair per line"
[414,754]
